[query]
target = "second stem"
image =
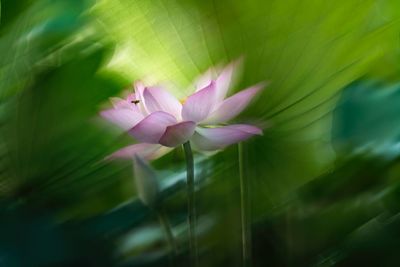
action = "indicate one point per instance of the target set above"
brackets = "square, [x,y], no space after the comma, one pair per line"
[191,203]
[244,211]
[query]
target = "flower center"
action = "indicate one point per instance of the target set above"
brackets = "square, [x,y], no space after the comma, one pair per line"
[135,102]
[183,100]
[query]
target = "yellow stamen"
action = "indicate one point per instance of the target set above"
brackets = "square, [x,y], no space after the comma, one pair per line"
[183,100]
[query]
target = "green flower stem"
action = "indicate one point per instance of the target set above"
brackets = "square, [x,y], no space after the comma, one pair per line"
[191,203]
[168,231]
[244,211]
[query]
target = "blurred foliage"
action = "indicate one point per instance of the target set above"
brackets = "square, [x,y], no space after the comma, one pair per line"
[368,118]
[324,177]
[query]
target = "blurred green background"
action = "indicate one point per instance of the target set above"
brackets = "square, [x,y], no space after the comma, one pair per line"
[324,177]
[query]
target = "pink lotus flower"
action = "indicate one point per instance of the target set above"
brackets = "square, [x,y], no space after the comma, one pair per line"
[160,122]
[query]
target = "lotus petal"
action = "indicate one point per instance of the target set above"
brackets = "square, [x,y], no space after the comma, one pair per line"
[146,181]
[152,127]
[232,106]
[146,151]
[128,103]
[178,134]
[157,99]
[216,138]
[205,79]
[139,90]
[224,81]
[124,118]
[197,106]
